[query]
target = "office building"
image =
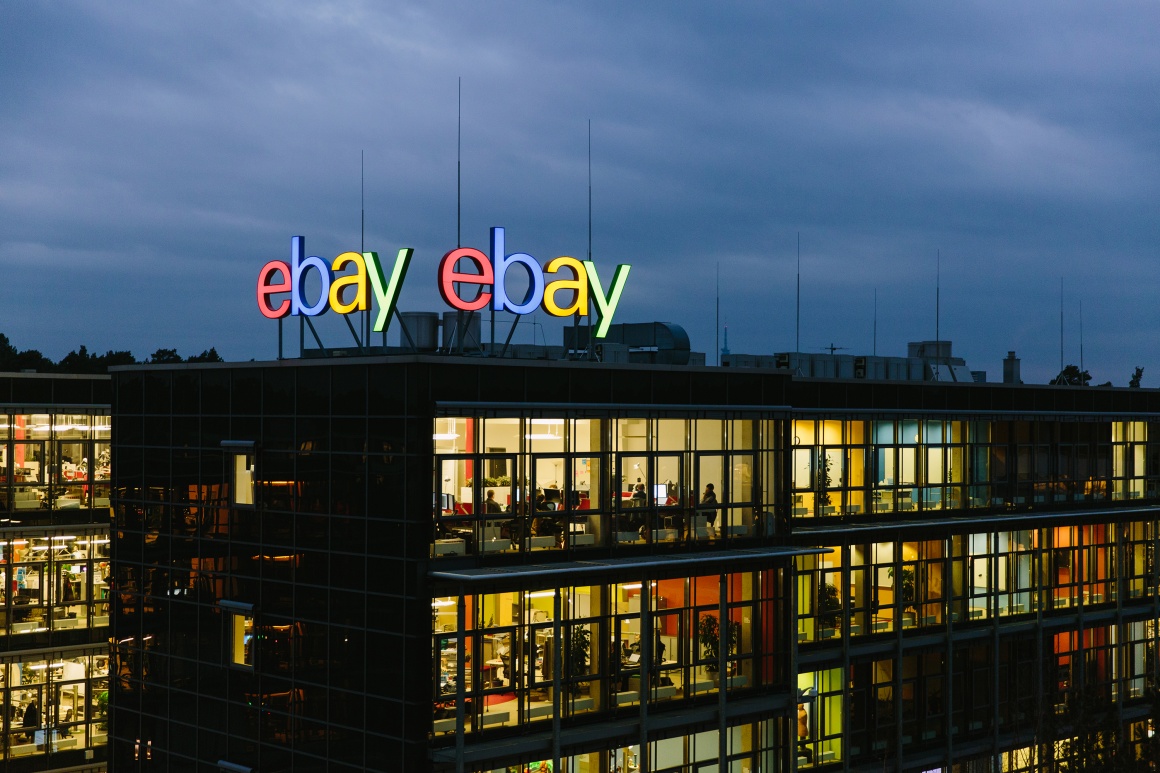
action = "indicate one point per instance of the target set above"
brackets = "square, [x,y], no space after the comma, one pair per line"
[55,447]
[451,563]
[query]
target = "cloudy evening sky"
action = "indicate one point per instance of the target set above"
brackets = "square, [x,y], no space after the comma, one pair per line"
[154,155]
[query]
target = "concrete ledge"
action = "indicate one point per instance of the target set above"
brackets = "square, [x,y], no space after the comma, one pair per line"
[632,696]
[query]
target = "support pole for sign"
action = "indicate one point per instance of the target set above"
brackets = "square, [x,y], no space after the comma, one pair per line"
[405,332]
[511,332]
[279,338]
[314,333]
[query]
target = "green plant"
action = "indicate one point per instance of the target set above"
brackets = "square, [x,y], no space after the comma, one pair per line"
[824,479]
[709,633]
[904,588]
[579,647]
[829,605]
[502,480]
[103,709]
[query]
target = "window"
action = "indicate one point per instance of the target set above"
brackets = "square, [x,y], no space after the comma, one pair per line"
[243,479]
[240,458]
[242,639]
[240,632]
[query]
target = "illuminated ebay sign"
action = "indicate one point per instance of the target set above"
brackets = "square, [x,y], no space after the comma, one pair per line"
[345,294]
[582,280]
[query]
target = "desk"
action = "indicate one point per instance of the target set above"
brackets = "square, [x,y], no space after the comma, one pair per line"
[665,535]
[578,539]
[450,547]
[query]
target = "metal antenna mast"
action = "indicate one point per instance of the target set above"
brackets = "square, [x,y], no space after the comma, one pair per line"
[460,324]
[1061,324]
[717,322]
[874,351]
[590,349]
[797,325]
[362,239]
[937,311]
[1081,341]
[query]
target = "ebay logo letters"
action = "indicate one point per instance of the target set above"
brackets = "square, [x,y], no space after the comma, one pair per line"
[561,288]
[345,294]
[491,273]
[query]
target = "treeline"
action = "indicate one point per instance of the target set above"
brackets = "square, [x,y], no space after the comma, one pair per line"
[83,361]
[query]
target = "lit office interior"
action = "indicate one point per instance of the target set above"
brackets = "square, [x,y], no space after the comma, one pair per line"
[52,461]
[860,468]
[748,746]
[53,580]
[508,659]
[873,706]
[868,588]
[540,483]
[57,700]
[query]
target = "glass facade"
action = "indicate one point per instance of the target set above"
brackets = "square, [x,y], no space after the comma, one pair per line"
[856,469]
[591,646]
[51,462]
[55,571]
[455,565]
[524,483]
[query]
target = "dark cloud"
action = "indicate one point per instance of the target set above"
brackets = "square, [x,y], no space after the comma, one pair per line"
[155,156]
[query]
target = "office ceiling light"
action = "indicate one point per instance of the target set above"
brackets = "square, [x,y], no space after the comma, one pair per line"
[442,603]
[631,586]
[540,594]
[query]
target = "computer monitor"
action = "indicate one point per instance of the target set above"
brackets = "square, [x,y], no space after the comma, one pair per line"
[660,492]
[552,494]
[447,502]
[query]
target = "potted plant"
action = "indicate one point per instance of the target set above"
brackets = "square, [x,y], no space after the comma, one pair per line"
[829,608]
[579,646]
[708,635]
[824,482]
[904,591]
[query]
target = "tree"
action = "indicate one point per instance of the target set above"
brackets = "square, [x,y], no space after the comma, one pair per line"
[7,353]
[1072,376]
[1134,382]
[210,355]
[164,356]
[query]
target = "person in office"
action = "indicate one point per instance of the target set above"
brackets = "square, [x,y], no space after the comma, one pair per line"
[542,525]
[65,731]
[31,721]
[490,505]
[709,500]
